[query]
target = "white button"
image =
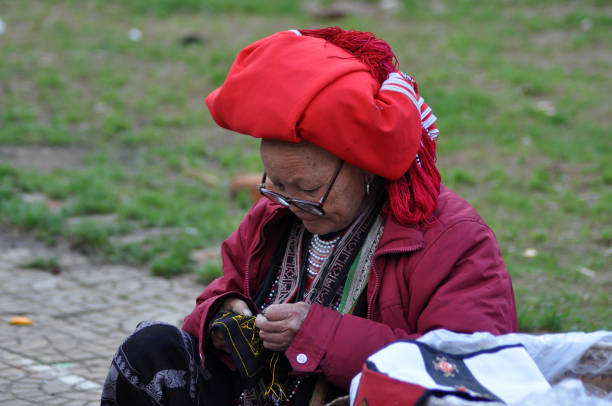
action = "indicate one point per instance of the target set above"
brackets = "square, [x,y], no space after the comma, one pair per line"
[301,358]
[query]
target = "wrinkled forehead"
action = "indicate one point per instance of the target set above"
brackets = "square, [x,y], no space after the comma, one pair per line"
[272,149]
[288,159]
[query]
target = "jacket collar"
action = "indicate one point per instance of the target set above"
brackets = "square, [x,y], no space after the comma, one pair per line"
[400,238]
[396,237]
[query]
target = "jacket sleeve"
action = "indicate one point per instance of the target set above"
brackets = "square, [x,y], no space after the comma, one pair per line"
[467,290]
[235,254]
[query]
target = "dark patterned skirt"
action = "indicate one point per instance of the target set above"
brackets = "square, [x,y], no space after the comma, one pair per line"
[159,364]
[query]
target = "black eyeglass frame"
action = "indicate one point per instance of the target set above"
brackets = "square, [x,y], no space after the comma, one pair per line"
[309,206]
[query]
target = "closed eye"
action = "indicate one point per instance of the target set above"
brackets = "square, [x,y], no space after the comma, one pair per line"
[278,186]
[311,191]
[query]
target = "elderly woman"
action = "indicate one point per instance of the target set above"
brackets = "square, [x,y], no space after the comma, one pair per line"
[355,245]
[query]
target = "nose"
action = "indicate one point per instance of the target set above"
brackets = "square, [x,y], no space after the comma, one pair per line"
[295,210]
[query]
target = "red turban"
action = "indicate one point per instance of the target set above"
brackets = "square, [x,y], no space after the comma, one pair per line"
[292,87]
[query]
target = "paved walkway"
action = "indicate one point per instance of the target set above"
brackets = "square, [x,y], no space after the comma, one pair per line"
[80,317]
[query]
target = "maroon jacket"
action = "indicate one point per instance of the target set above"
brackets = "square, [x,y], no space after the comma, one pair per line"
[449,276]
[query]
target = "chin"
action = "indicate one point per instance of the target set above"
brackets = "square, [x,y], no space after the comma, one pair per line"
[318,226]
[315,226]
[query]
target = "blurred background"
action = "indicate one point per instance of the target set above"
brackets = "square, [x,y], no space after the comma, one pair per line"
[106,145]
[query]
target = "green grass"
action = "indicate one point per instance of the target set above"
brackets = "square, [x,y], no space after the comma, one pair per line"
[167,7]
[209,271]
[44,263]
[520,89]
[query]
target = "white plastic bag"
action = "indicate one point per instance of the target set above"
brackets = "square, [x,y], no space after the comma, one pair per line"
[554,354]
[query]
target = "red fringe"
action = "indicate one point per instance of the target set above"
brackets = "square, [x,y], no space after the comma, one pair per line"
[413,197]
[374,52]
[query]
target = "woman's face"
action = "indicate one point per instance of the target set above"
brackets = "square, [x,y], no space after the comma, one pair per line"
[304,171]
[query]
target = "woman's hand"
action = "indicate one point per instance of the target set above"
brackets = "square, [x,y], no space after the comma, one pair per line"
[235,305]
[229,305]
[279,324]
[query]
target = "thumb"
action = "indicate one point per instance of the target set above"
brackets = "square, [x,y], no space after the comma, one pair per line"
[241,307]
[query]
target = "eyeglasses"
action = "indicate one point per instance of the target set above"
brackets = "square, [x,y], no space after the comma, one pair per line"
[311,207]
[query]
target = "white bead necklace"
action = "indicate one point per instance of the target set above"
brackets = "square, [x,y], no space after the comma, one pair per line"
[318,252]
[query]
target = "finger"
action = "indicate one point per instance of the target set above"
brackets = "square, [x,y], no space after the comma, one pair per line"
[275,326]
[236,305]
[274,338]
[262,323]
[278,312]
[241,307]
[276,343]
[218,344]
[216,333]
[276,347]
[225,306]
[218,341]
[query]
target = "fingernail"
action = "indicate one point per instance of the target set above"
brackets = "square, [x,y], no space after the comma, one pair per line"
[247,312]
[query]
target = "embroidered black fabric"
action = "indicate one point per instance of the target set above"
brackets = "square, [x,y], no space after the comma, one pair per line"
[250,357]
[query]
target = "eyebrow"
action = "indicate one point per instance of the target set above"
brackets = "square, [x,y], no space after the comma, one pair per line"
[298,181]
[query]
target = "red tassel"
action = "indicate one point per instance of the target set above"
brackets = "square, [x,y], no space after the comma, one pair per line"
[413,197]
[374,52]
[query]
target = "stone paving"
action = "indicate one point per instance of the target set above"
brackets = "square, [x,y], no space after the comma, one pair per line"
[80,317]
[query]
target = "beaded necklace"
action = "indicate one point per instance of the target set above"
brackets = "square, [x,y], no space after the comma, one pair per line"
[318,251]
